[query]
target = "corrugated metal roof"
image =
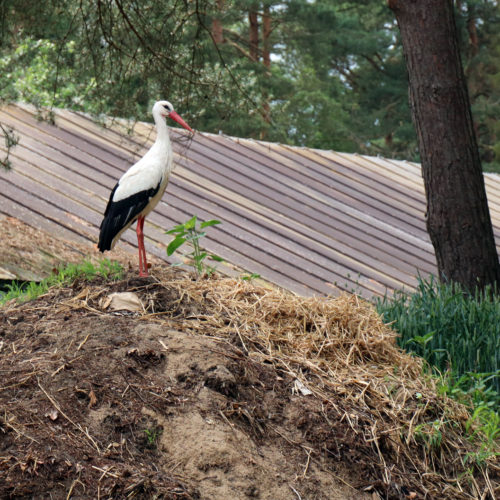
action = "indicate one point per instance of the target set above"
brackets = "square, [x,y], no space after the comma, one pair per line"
[308,220]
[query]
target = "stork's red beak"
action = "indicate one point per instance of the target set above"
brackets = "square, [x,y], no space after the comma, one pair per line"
[174,115]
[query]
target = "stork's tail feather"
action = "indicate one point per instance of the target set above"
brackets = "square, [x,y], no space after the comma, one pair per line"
[113,225]
[106,235]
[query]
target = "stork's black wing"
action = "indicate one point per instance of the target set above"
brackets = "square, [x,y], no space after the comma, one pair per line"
[120,214]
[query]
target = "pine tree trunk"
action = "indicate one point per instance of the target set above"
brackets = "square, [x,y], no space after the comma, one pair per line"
[254,33]
[217,29]
[266,36]
[458,218]
[266,59]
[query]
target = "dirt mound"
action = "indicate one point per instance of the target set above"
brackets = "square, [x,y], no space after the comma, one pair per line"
[30,254]
[219,389]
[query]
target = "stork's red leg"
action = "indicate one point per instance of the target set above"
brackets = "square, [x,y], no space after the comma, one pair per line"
[144,260]
[139,231]
[143,264]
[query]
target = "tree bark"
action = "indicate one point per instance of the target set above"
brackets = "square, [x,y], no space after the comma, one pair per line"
[266,37]
[266,59]
[217,29]
[254,33]
[458,218]
[472,30]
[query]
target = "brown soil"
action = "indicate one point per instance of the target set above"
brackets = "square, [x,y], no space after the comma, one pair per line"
[219,389]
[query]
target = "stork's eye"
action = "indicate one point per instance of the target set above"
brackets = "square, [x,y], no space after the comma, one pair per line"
[167,107]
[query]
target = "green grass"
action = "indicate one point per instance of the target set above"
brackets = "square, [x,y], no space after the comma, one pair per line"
[24,291]
[459,336]
[450,329]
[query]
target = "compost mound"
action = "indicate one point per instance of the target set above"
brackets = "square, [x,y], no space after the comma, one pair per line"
[220,389]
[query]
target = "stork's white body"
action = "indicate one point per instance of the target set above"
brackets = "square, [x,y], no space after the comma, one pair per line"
[153,169]
[141,188]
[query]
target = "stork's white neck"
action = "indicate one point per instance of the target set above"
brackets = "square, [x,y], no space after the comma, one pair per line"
[160,153]
[162,136]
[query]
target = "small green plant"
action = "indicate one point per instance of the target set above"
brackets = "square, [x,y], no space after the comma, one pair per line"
[151,437]
[488,423]
[485,425]
[191,232]
[24,291]
[471,389]
[430,434]
[250,277]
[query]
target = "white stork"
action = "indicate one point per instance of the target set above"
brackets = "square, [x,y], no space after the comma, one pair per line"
[140,188]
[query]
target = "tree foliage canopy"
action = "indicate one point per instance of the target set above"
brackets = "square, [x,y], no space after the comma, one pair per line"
[317,73]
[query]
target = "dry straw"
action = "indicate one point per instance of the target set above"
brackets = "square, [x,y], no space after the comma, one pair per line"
[340,346]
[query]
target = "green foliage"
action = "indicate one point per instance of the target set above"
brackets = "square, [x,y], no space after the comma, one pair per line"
[352,49]
[337,77]
[31,290]
[485,425]
[475,388]
[28,74]
[472,390]
[459,335]
[430,434]
[191,232]
[336,81]
[478,22]
[449,328]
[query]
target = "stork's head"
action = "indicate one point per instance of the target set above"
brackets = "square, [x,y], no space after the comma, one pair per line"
[166,110]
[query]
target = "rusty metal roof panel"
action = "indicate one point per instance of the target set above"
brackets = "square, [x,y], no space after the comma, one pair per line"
[311,221]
